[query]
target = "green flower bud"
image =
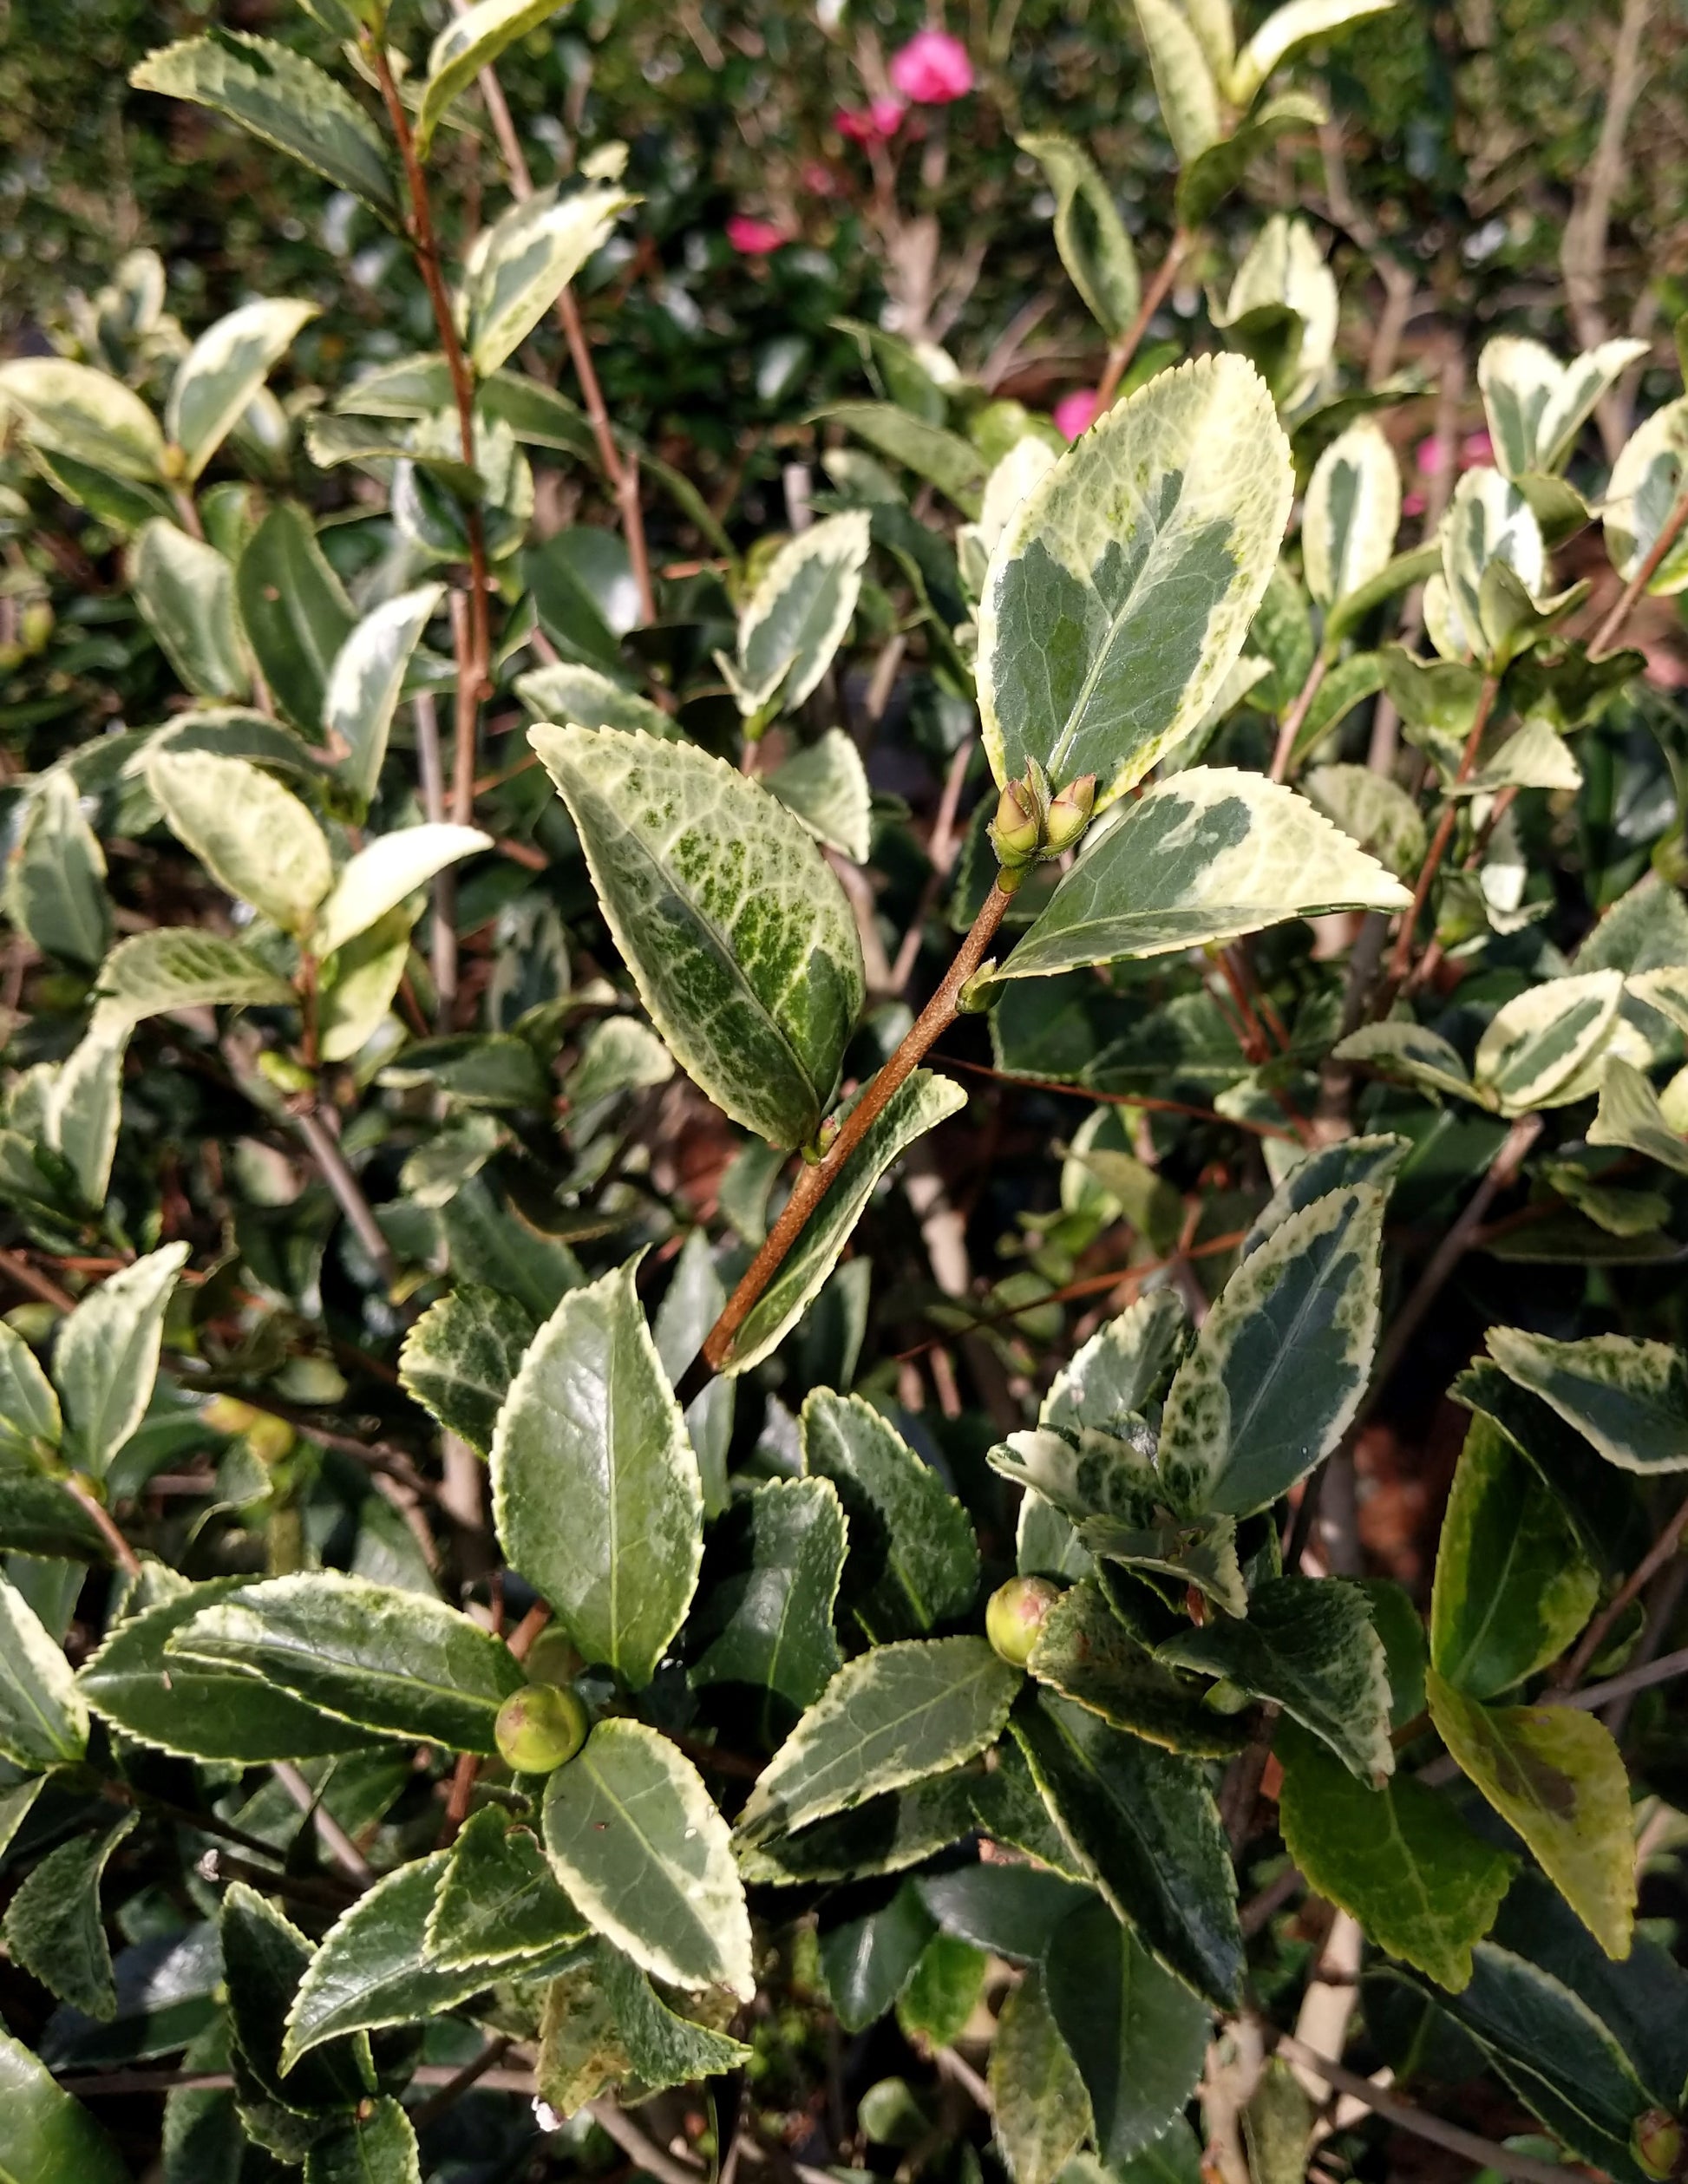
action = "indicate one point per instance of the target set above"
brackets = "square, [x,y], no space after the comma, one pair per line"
[285,1074]
[1069,814]
[540,1728]
[1655,2140]
[1017,827]
[1015,1613]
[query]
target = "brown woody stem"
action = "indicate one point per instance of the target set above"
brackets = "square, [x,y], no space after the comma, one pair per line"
[1293,719]
[1400,961]
[1122,351]
[1670,531]
[815,1181]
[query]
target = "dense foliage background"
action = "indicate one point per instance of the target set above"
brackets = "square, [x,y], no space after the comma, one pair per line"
[1376,1765]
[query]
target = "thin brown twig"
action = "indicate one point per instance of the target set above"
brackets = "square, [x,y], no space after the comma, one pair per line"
[36,1283]
[1648,567]
[122,1554]
[1667,1667]
[324,1149]
[1400,960]
[333,1837]
[1296,714]
[1574,1667]
[1122,351]
[1120,1099]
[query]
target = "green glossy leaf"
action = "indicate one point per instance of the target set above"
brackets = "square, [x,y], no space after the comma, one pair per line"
[895,1714]
[1144,1824]
[663,2048]
[1138,2035]
[1554,1775]
[497,1900]
[524,261]
[1012,1911]
[1207,855]
[470,42]
[1308,1645]
[741,939]
[826,785]
[295,612]
[362,693]
[1286,29]
[940,1996]
[284,99]
[30,1424]
[254,837]
[1038,2096]
[180,967]
[1399,1858]
[379,2148]
[1513,1586]
[1629,1398]
[185,588]
[86,414]
[595,1485]
[638,1844]
[394,1662]
[223,369]
[265,1960]
[53,1924]
[40,1516]
[55,887]
[380,877]
[50,2137]
[766,1622]
[1333,1168]
[1535,405]
[918,1105]
[1411,1053]
[1086,1653]
[107,1357]
[1647,481]
[914,1562]
[1279,1367]
[866,1961]
[1121,591]
[195,1709]
[932,451]
[1351,513]
[1088,232]
[1630,1115]
[691,1304]
[1183,81]
[885,1834]
[1348,684]
[43,1721]
[1205,181]
[461,1357]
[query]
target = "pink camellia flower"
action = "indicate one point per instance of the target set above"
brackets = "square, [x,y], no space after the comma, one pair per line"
[932,68]
[1075,413]
[819,178]
[1414,504]
[875,123]
[752,238]
[1429,457]
[1476,447]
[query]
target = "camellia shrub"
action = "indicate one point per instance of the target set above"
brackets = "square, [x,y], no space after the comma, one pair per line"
[618,1548]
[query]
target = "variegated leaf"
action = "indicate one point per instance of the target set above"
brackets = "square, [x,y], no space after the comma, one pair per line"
[1538,1044]
[1648,479]
[1352,514]
[797,615]
[1536,406]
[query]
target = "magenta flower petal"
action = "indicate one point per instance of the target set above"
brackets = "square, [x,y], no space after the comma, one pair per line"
[754,238]
[1075,413]
[932,68]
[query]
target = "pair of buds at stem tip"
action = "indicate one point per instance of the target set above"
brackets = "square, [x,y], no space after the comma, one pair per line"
[1029,824]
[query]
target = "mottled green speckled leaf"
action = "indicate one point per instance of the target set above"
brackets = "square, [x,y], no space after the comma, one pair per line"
[663,2048]
[640,1844]
[44,1718]
[1183,79]
[395,1663]
[106,1359]
[375,2146]
[1555,1774]
[1630,1115]
[1121,591]
[254,837]
[1207,855]
[497,1898]
[1306,1643]
[284,99]
[1536,406]
[914,1562]
[1086,1653]
[185,588]
[1648,479]
[180,967]
[883,1836]
[461,1357]
[1513,1586]
[595,1485]
[1279,1367]
[1042,2109]
[1351,513]
[1539,1044]
[917,1106]
[1088,232]
[889,1717]
[1332,1168]
[471,42]
[1629,1398]
[1121,1367]
[739,936]
[765,1622]
[1144,1824]
[1399,1858]
[794,620]
[1137,2034]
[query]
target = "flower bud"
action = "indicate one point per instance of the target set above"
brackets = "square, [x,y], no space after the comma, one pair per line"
[1069,814]
[1015,1614]
[285,1074]
[1655,2140]
[1016,828]
[540,1728]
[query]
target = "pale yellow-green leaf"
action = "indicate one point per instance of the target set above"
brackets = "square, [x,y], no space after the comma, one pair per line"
[1285,266]
[1534,756]
[185,588]
[523,262]
[254,837]
[826,785]
[1183,82]
[1489,521]
[1537,1043]
[1374,810]
[180,967]
[796,616]
[224,369]
[1553,1774]
[367,677]
[1298,23]
[1631,1116]
[1413,1053]
[1351,513]
[379,878]
[471,42]
[1647,481]
[1122,589]
[355,997]
[1537,405]
[74,410]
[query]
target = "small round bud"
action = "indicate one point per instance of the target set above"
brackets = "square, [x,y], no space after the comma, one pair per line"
[1017,827]
[285,1074]
[1015,1613]
[1655,2140]
[1069,814]
[540,1728]
[35,624]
